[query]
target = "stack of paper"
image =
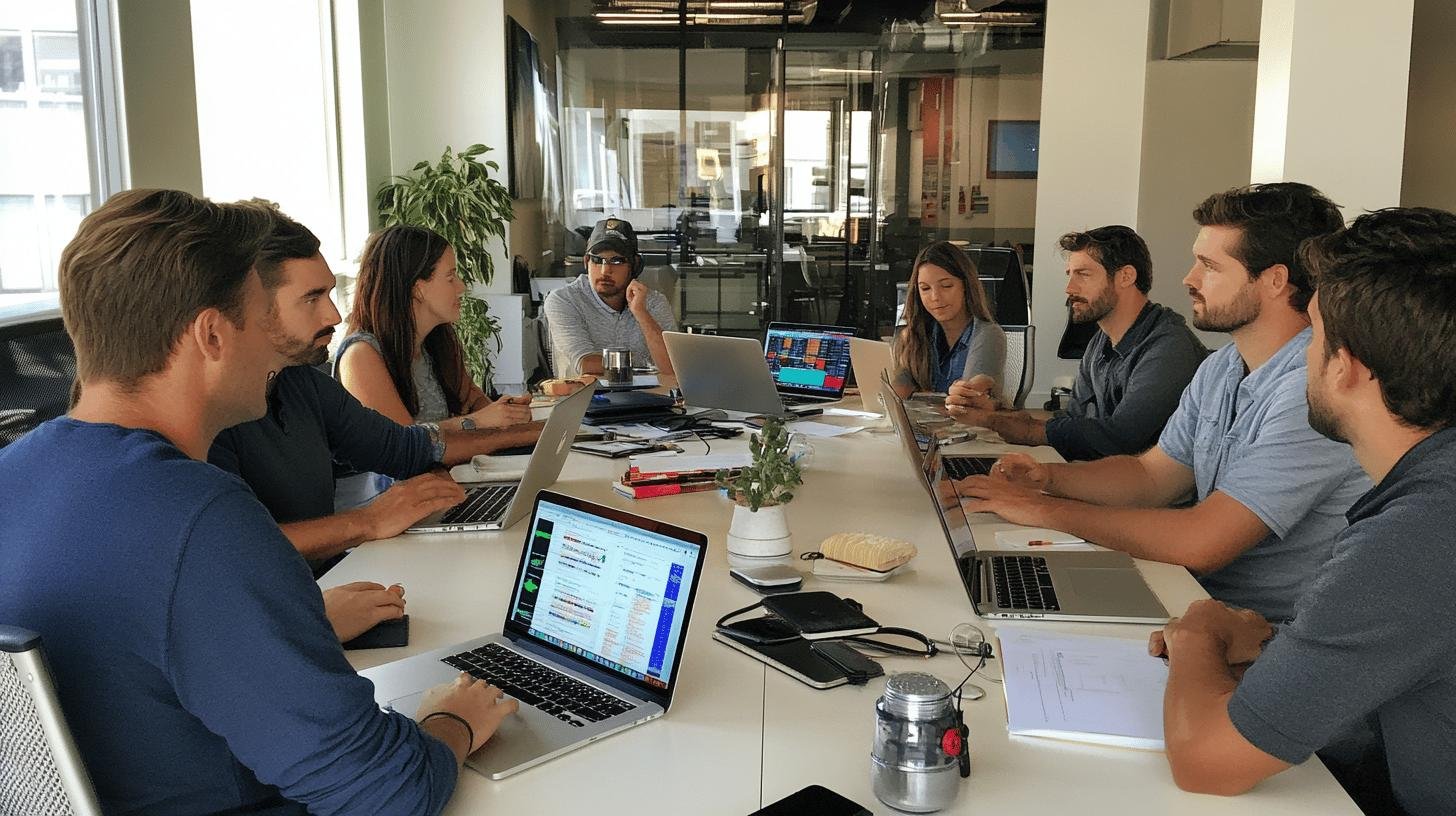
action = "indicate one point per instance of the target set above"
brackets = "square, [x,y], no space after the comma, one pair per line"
[1085,688]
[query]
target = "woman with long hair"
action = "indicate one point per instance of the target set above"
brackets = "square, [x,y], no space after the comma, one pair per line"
[402,357]
[949,334]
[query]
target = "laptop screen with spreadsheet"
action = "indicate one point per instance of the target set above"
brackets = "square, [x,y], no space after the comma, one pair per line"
[808,360]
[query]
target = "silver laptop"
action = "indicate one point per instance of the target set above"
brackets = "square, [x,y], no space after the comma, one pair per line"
[498,505]
[809,363]
[1083,586]
[731,373]
[871,360]
[593,636]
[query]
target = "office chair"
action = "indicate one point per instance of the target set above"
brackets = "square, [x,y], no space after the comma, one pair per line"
[37,368]
[41,772]
[1016,376]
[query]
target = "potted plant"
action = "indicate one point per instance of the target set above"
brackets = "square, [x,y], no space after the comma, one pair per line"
[457,197]
[759,493]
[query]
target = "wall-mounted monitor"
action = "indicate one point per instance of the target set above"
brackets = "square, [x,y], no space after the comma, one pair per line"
[1011,148]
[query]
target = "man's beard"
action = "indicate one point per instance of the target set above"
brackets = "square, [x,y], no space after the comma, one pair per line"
[302,352]
[1244,309]
[1321,418]
[1096,309]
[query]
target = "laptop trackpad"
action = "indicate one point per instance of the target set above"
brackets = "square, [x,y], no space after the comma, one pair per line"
[1118,587]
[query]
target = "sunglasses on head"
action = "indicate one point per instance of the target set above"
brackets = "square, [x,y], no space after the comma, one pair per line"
[615,261]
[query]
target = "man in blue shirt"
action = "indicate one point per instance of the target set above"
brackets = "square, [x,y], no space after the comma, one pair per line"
[188,641]
[1270,492]
[1363,674]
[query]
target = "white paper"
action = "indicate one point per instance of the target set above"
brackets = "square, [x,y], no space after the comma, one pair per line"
[638,430]
[1086,688]
[850,412]
[1021,538]
[676,464]
[810,428]
[485,468]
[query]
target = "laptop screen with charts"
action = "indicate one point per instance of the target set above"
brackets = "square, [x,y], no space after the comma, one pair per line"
[595,626]
[808,361]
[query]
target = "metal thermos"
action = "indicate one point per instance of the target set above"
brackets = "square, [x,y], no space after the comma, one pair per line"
[915,761]
[617,366]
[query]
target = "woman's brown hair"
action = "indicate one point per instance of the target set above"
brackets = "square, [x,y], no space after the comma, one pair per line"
[913,350]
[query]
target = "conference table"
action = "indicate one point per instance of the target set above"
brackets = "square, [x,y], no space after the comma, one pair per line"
[741,735]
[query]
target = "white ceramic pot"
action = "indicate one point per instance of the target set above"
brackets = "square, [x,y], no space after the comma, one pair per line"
[760,534]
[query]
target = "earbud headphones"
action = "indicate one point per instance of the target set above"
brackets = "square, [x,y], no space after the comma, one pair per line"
[638,264]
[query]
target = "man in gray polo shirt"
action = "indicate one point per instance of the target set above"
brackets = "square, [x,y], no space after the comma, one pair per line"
[1364,673]
[1270,492]
[1132,372]
[608,306]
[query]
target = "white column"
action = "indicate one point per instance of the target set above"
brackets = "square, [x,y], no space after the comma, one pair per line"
[1093,82]
[1331,103]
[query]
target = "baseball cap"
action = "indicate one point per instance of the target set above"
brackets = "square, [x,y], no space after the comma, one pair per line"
[614,234]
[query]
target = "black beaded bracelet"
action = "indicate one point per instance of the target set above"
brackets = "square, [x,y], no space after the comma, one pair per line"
[469,732]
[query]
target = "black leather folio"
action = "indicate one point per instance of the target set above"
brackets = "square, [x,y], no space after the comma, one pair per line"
[820,614]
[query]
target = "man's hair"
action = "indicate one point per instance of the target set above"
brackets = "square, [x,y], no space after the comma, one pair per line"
[1114,247]
[142,267]
[1273,219]
[1387,293]
[289,241]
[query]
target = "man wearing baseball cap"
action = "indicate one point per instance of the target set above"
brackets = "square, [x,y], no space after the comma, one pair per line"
[608,306]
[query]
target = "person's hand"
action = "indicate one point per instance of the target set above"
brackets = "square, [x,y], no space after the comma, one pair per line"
[1016,504]
[406,502]
[971,395]
[353,609]
[637,293]
[1023,471]
[504,412]
[478,703]
[1241,633]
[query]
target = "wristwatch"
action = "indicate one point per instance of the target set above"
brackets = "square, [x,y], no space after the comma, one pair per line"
[467,424]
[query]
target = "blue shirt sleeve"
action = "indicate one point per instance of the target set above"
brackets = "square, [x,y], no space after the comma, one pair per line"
[1177,437]
[368,440]
[251,655]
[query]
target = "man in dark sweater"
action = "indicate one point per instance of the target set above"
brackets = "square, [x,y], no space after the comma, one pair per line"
[187,638]
[1133,371]
[1363,673]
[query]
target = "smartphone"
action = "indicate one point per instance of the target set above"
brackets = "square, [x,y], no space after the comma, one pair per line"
[768,580]
[858,668]
[767,629]
[384,635]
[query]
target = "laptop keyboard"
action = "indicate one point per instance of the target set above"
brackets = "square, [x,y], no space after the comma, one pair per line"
[1023,582]
[959,467]
[535,684]
[482,504]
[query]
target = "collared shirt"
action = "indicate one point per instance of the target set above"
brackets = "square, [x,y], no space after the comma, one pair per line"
[581,324]
[945,367]
[980,349]
[1248,437]
[1125,393]
[287,456]
[1371,644]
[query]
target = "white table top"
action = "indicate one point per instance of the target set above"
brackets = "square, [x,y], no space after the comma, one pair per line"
[740,735]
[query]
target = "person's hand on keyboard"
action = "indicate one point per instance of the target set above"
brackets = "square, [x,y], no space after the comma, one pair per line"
[1022,471]
[1014,503]
[448,709]
[406,502]
[353,609]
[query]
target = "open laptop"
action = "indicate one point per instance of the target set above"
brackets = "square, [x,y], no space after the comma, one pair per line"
[808,363]
[593,635]
[1102,585]
[731,373]
[870,360]
[498,505]
[959,466]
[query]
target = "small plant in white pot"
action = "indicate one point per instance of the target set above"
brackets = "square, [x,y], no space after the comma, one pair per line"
[759,493]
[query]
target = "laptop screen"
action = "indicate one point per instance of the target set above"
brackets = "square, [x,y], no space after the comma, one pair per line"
[611,592]
[808,360]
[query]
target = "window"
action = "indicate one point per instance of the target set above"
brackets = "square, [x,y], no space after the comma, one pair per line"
[12,62]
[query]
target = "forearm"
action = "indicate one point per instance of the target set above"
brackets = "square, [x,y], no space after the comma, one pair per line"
[1155,534]
[1017,427]
[1116,480]
[652,333]
[328,536]
[452,733]
[462,446]
[1195,708]
[591,364]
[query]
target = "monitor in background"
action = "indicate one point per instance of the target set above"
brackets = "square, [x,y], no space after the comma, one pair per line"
[807,360]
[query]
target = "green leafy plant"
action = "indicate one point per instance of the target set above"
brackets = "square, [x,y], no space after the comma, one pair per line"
[457,197]
[772,476]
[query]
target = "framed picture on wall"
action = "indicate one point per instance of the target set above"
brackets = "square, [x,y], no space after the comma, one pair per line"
[1011,148]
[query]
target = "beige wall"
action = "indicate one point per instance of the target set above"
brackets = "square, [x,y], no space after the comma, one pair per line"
[1013,201]
[161,94]
[1429,178]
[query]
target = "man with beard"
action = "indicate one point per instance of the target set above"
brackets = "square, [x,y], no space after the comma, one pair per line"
[1363,674]
[607,306]
[1132,372]
[287,456]
[1270,493]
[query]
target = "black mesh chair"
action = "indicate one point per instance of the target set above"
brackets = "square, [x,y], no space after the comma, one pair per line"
[37,368]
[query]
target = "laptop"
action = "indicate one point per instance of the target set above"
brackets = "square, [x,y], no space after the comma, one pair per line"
[1102,585]
[498,505]
[808,363]
[959,466]
[731,373]
[593,635]
[870,360]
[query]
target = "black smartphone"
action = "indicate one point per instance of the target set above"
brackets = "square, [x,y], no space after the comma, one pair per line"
[384,635]
[858,668]
[768,629]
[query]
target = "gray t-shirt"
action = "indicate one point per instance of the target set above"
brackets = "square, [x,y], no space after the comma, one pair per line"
[981,349]
[1125,393]
[1248,437]
[431,395]
[581,325]
[1370,647]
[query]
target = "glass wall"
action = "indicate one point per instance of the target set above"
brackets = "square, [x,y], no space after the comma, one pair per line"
[788,167]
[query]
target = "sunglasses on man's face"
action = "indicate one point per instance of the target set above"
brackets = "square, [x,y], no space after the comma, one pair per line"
[615,262]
